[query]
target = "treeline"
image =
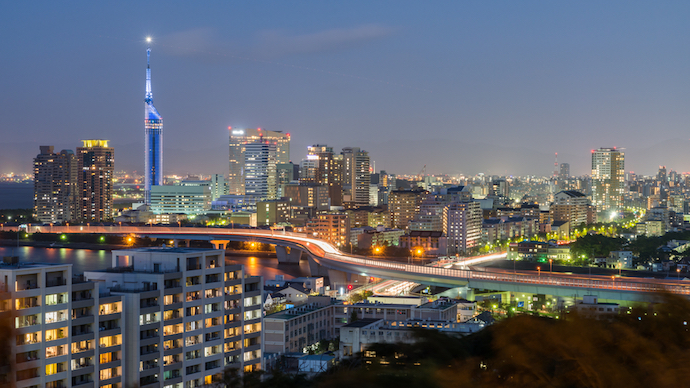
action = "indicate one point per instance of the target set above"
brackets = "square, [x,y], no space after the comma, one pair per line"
[645,248]
[648,347]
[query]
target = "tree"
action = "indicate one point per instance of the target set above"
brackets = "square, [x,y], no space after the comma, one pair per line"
[650,346]
[353,316]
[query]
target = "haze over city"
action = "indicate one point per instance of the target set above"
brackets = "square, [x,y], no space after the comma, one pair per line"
[460,87]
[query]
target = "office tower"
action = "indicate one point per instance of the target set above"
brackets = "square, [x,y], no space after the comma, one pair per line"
[285,173]
[608,179]
[403,206]
[239,138]
[219,186]
[501,189]
[308,169]
[661,176]
[95,167]
[153,129]
[260,170]
[192,200]
[55,186]
[565,171]
[327,171]
[68,332]
[462,225]
[356,176]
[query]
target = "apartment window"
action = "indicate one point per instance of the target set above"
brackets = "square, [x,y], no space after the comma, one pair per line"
[52,369]
[55,334]
[252,328]
[110,340]
[82,346]
[54,299]
[193,325]
[110,308]
[108,357]
[193,340]
[145,319]
[54,351]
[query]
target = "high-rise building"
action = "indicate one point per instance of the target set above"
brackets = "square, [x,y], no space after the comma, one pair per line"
[186,315]
[95,167]
[63,338]
[55,185]
[153,129]
[239,138]
[327,171]
[260,170]
[565,171]
[608,178]
[356,176]
[403,206]
[462,225]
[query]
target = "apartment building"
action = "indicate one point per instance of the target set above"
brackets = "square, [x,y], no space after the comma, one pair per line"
[67,333]
[289,331]
[159,317]
[188,315]
[292,330]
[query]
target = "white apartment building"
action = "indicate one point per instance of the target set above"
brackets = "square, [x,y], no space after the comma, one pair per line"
[189,315]
[462,225]
[159,317]
[67,334]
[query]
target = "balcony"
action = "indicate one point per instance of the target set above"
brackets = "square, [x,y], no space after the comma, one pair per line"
[56,282]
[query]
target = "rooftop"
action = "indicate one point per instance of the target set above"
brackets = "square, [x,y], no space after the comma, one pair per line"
[296,311]
[362,322]
[13,262]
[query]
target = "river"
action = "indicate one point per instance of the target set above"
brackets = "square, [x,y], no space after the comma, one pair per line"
[94,260]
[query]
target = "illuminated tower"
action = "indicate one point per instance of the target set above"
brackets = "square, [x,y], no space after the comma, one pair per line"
[153,127]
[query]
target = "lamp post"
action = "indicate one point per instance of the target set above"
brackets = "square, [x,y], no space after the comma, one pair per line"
[550,265]
[678,272]
[539,271]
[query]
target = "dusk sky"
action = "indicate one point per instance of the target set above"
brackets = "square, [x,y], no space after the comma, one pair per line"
[460,86]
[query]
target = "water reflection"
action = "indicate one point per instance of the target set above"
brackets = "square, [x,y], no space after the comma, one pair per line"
[93,260]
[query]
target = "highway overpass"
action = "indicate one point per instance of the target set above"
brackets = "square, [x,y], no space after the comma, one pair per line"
[325,260]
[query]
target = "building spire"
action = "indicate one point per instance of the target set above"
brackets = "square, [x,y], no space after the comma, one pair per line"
[149,94]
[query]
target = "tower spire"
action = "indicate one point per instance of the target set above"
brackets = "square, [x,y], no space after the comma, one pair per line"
[149,95]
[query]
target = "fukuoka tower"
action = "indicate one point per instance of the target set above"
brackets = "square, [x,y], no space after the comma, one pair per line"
[153,127]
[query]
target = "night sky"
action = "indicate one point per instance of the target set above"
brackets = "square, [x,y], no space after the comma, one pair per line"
[460,86]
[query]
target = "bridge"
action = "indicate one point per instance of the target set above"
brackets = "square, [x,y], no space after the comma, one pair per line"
[342,268]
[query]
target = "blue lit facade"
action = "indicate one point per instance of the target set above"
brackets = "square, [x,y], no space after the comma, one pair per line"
[153,125]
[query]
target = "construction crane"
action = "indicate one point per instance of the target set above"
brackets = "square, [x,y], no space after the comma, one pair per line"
[422,173]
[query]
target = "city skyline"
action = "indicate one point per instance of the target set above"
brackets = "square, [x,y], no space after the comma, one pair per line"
[516,82]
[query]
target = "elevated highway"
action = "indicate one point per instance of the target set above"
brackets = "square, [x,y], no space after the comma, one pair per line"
[326,260]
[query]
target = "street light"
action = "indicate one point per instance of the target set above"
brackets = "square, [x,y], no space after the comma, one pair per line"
[539,270]
[550,265]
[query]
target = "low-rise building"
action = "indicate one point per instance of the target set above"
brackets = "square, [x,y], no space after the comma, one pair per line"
[379,236]
[333,227]
[434,243]
[293,329]
[355,337]
[590,308]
